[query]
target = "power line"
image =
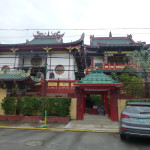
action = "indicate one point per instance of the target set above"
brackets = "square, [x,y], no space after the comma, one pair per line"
[72,35]
[32,29]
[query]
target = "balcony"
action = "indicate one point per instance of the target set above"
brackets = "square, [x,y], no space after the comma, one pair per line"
[111,67]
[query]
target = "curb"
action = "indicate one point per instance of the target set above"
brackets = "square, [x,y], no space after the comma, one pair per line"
[61,129]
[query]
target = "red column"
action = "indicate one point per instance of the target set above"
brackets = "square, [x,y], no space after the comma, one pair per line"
[114,105]
[80,104]
[110,104]
[103,97]
[92,62]
[84,99]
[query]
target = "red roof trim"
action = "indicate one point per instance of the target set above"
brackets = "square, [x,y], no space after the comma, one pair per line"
[29,47]
[106,44]
[94,87]
[61,80]
[99,38]
[99,84]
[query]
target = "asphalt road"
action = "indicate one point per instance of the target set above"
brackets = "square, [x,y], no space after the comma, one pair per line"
[63,140]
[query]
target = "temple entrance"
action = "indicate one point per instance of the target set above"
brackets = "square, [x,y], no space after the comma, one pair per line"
[98,83]
[95,104]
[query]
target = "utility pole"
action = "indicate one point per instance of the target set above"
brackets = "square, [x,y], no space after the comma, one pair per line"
[44,87]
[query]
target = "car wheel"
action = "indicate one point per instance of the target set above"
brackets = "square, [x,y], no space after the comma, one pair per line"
[122,136]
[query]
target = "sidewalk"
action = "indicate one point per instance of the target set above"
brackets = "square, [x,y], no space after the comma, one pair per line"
[91,123]
[94,122]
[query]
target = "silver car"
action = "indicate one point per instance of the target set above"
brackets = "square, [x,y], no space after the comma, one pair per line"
[135,119]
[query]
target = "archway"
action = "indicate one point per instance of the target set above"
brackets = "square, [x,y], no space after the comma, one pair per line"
[98,83]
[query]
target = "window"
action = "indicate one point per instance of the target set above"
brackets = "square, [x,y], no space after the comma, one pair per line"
[36,61]
[5,68]
[59,69]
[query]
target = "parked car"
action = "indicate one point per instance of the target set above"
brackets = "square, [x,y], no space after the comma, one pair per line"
[135,120]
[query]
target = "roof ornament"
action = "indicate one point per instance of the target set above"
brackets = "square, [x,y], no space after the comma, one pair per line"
[91,36]
[129,36]
[38,33]
[57,33]
[14,49]
[27,41]
[83,35]
[110,34]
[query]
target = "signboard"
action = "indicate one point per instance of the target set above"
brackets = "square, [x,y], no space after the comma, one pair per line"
[52,83]
[63,84]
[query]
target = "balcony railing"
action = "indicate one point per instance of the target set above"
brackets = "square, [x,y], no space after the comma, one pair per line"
[60,86]
[111,66]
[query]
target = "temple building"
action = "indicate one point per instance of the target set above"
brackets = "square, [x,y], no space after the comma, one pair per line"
[108,53]
[45,57]
[46,66]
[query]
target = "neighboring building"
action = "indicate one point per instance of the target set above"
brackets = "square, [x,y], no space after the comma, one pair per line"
[108,53]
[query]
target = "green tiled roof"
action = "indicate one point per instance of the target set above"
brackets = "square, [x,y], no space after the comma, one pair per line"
[97,76]
[43,41]
[111,41]
[15,75]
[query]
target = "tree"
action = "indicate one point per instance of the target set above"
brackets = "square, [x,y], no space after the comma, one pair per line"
[129,87]
[142,60]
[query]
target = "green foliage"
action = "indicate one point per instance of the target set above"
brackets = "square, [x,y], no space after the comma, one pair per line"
[125,77]
[29,105]
[58,106]
[131,89]
[26,106]
[96,99]
[138,100]
[9,105]
[142,58]
[114,76]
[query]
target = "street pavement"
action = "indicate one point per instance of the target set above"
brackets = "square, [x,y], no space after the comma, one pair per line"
[61,140]
[90,123]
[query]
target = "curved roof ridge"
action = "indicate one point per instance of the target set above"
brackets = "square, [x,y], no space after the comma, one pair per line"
[97,76]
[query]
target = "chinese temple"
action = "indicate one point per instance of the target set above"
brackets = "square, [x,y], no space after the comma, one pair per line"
[108,53]
[46,66]
[45,57]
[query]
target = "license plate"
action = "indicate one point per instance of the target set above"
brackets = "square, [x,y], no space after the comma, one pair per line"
[141,120]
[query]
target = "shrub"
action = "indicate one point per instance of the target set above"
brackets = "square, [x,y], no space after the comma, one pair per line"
[58,106]
[29,104]
[138,100]
[9,105]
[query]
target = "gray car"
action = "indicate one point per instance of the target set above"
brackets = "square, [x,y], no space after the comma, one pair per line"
[135,119]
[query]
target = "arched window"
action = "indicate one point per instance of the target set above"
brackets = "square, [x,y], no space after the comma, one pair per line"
[5,68]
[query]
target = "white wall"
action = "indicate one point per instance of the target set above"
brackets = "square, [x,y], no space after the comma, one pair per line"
[27,60]
[15,60]
[62,59]
[8,60]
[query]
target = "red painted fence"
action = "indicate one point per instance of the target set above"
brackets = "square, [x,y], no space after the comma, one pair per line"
[34,118]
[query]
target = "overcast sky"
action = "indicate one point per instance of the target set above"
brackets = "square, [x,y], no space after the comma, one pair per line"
[104,15]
